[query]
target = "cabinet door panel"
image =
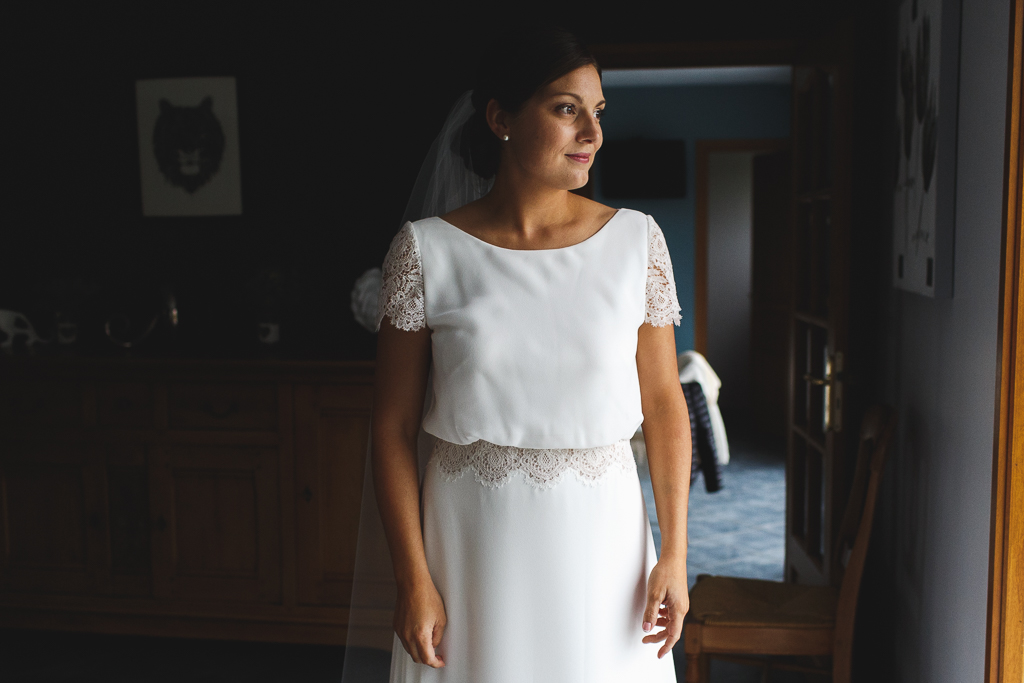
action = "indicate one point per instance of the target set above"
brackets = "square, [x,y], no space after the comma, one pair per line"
[217,523]
[332,424]
[128,518]
[51,524]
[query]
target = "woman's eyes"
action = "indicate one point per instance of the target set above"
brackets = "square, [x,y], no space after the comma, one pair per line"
[571,110]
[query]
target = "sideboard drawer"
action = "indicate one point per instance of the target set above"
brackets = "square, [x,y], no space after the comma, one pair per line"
[44,403]
[237,406]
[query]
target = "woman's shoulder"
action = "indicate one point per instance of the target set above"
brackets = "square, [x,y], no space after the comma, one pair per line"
[423,224]
[468,214]
[643,222]
[602,214]
[419,230]
[637,217]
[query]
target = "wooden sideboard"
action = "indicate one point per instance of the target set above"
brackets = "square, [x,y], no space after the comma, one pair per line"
[203,499]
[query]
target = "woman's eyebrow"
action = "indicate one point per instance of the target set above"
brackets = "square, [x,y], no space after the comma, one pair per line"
[574,96]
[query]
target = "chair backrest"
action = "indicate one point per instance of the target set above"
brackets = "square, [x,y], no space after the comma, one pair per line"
[851,547]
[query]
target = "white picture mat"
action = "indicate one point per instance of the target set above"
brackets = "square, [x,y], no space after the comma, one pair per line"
[222,195]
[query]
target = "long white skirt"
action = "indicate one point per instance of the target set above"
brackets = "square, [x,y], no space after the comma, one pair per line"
[541,583]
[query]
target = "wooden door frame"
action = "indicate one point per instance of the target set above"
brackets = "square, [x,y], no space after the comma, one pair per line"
[1005,634]
[704,150]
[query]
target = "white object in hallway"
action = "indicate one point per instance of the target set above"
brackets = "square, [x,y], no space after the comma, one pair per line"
[693,367]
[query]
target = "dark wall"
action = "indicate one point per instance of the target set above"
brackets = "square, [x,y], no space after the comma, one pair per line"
[336,110]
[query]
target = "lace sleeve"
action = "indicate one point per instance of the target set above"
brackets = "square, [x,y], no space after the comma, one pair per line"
[662,302]
[401,295]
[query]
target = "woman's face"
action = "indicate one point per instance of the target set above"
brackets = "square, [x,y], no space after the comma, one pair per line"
[554,137]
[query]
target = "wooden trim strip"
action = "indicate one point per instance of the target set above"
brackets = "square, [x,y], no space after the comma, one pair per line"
[1005,632]
[764,640]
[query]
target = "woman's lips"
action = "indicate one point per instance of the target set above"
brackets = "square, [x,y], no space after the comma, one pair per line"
[582,158]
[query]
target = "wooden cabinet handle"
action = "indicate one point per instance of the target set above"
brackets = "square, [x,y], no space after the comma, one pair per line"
[307,494]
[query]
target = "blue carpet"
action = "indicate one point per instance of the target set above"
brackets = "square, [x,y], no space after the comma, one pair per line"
[740,529]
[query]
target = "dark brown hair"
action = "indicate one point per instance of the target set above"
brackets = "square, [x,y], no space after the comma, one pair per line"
[520,64]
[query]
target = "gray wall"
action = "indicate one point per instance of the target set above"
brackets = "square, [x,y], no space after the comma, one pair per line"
[933,535]
[730,205]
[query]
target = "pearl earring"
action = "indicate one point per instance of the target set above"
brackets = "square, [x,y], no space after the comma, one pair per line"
[505,138]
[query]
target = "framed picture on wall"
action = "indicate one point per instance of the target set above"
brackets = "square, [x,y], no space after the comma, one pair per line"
[924,194]
[188,146]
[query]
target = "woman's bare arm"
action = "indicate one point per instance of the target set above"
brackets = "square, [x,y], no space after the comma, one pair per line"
[403,361]
[667,435]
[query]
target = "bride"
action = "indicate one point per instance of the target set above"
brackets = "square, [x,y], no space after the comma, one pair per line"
[542,321]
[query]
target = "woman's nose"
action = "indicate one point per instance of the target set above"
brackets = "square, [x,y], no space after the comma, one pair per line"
[590,131]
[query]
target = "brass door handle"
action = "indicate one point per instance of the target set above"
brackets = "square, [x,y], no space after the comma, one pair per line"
[831,413]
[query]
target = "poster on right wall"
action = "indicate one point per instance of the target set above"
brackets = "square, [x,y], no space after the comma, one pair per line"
[925,156]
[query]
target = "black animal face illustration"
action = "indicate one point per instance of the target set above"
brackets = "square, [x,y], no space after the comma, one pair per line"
[188,143]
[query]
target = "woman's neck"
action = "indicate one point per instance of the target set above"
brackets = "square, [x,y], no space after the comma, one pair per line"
[527,209]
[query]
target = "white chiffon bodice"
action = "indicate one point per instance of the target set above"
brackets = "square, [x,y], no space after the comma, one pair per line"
[533,349]
[401,298]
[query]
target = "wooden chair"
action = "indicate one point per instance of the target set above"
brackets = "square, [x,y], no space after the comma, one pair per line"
[784,625]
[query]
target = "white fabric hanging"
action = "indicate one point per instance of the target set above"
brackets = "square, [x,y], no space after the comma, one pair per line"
[693,367]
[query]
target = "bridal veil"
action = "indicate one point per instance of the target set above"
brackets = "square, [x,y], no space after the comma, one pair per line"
[445,182]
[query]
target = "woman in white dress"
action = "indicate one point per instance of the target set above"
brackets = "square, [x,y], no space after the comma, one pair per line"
[545,320]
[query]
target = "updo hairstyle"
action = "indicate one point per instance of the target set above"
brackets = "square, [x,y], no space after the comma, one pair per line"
[519,66]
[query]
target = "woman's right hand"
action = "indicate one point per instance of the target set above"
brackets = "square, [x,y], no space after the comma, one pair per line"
[420,621]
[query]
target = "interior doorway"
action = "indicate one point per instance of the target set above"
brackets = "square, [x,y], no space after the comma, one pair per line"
[741,306]
[742,279]
[727,119]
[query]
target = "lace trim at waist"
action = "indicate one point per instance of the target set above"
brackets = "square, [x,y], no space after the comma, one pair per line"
[494,465]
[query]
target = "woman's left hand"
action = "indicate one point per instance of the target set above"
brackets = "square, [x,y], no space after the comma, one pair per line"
[668,601]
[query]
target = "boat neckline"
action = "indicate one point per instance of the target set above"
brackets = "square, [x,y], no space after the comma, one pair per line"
[569,246]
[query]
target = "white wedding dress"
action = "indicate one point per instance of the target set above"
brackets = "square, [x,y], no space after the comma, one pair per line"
[534,524]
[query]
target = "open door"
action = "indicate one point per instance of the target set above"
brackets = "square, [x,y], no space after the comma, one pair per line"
[816,465]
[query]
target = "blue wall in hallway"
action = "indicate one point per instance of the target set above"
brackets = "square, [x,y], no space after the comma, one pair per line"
[691,113]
